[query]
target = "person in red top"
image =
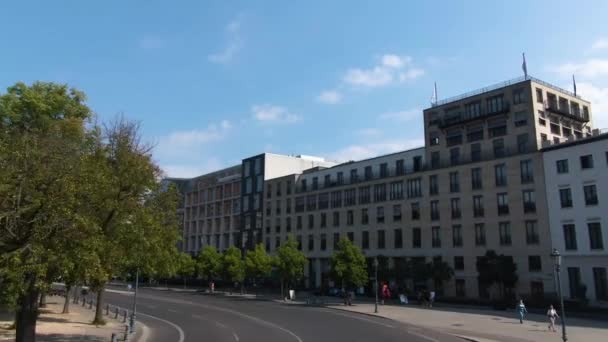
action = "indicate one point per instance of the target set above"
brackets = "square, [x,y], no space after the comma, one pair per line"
[386,293]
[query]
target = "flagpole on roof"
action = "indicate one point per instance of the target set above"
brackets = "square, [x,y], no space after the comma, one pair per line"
[523,65]
[574,84]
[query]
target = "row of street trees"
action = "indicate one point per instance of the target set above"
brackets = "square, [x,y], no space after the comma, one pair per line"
[80,202]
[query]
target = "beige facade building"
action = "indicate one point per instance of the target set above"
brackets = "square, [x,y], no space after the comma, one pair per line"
[477,185]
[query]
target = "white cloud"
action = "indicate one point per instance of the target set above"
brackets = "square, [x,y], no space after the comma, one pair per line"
[599,44]
[392,68]
[329,97]
[151,42]
[183,143]
[369,132]
[403,115]
[188,170]
[274,114]
[359,152]
[233,44]
[591,68]
[598,97]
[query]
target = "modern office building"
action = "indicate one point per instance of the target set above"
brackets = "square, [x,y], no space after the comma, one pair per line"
[576,179]
[477,185]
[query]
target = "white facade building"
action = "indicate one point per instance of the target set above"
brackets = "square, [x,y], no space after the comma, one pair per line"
[576,178]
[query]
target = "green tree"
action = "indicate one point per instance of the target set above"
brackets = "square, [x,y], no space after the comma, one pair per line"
[348,264]
[499,270]
[209,263]
[43,139]
[440,272]
[290,263]
[187,266]
[233,265]
[258,264]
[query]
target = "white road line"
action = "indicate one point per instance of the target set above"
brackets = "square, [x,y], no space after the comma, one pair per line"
[182,336]
[145,332]
[220,325]
[171,310]
[422,336]
[363,319]
[236,337]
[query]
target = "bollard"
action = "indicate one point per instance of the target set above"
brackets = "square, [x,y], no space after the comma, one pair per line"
[91,304]
[107,309]
[124,319]
[114,337]
[116,313]
[84,301]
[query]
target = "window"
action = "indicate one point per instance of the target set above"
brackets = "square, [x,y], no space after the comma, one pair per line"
[381,239]
[565,197]
[595,235]
[590,194]
[455,204]
[350,236]
[415,211]
[495,104]
[472,110]
[311,202]
[414,188]
[364,216]
[433,185]
[336,218]
[543,137]
[497,127]
[350,197]
[323,242]
[529,200]
[539,95]
[350,218]
[324,200]
[543,122]
[534,263]
[323,220]
[396,191]
[397,212]
[574,281]
[502,201]
[327,181]
[520,119]
[475,152]
[340,178]
[476,183]
[277,242]
[311,242]
[299,239]
[288,224]
[587,162]
[480,234]
[526,171]
[570,237]
[537,289]
[453,137]
[364,195]
[562,166]
[457,235]
[304,185]
[399,167]
[315,183]
[336,199]
[459,263]
[435,159]
[380,214]
[532,237]
[336,240]
[383,170]
[501,174]
[435,237]
[434,210]
[417,163]
[367,173]
[269,191]
[454,182]
[478,206]
[460,288]
[519,96]
[299,222]
[434,138]
[455,156]
[365,239]
[522,143]
[499,148]
[416,238]
[353,176]
[504,230]
[601,283]
[607,158]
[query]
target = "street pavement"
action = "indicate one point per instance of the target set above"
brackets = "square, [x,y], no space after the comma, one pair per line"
[189,317]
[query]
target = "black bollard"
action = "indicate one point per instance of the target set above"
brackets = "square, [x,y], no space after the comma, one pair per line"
[107,309]
[124,319]
[116,313]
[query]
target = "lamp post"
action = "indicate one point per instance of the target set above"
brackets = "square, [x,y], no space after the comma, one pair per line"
[557,261]
[134,311]
[376,284]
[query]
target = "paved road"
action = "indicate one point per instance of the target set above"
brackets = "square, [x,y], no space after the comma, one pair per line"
[189,317]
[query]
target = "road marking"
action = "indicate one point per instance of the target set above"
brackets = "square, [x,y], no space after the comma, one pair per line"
[236,337]
[363,319]
[182,336]
[422,336]
[145,332]
[171,310]
[220,325]
[127,293]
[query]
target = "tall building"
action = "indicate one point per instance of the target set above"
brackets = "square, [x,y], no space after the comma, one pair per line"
[576,177]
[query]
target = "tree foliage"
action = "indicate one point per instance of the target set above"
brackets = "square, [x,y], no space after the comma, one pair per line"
[209,263]
[258,264]
[233,265]
[290,262]
[348,264]
[497,270]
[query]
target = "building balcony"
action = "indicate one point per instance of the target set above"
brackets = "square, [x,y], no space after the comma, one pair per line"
[464,118]
[581,117]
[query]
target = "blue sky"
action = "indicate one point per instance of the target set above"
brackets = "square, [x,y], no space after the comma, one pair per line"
[213,82]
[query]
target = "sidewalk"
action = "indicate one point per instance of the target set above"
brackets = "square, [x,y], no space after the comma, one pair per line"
[485,325]
[53,326]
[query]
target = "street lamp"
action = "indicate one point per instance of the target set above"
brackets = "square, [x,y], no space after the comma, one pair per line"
[557,261]
[376,284]
[134,311]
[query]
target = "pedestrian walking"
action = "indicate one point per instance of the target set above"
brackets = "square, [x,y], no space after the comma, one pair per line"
[431,298]
[552,315]
[386,293]
[521,309]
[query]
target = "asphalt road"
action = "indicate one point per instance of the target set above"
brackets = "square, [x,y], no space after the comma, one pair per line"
[189,317]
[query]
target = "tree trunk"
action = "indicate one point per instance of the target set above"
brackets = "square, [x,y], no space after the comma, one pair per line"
[66,304]
[27,312]
[184,283]
[42,300]
[99,307]
[282,294]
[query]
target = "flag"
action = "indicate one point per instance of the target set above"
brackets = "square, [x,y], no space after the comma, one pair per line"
[524,66]
[434,97]
[574,84]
